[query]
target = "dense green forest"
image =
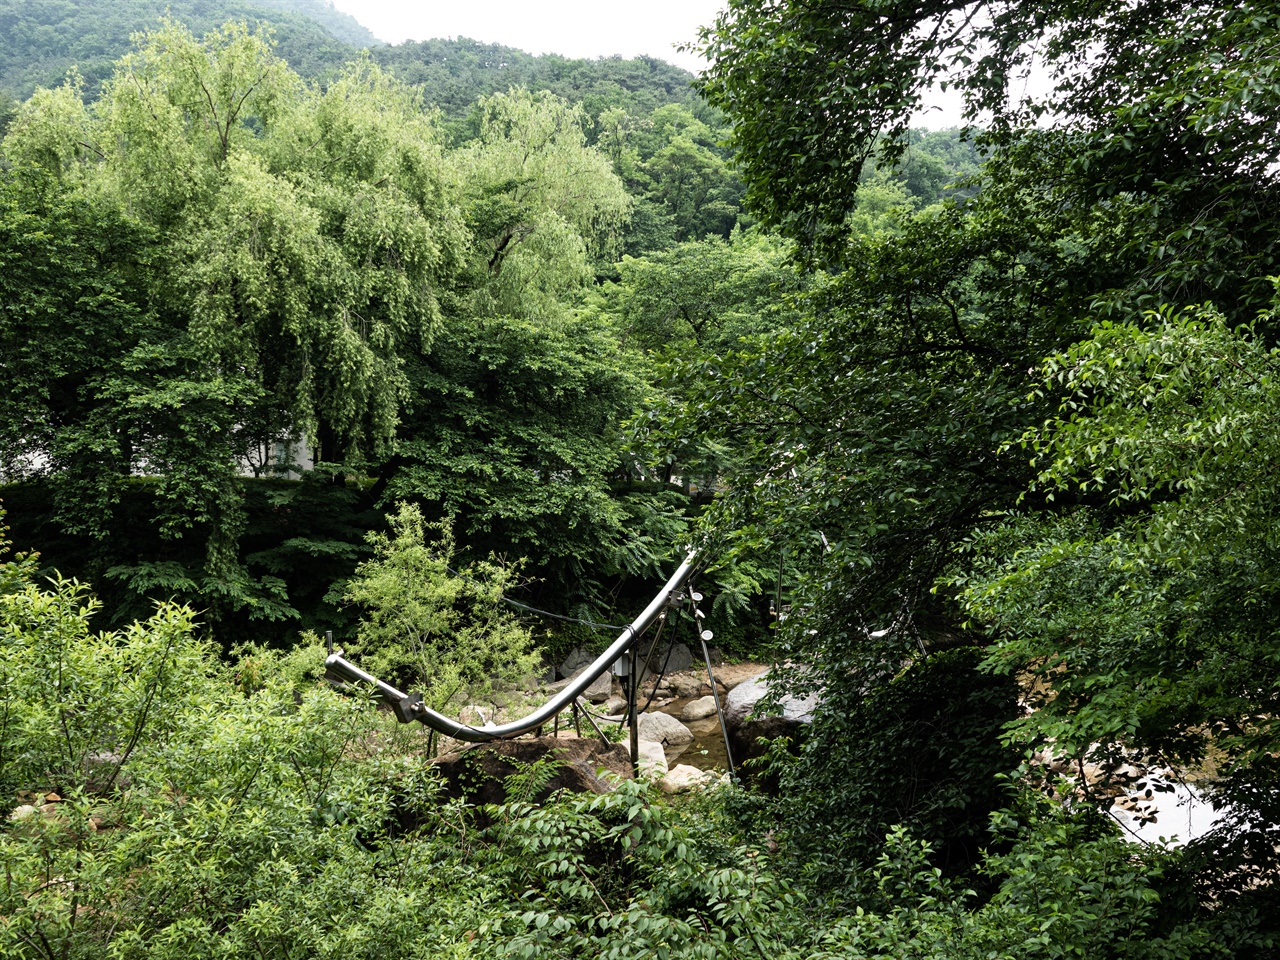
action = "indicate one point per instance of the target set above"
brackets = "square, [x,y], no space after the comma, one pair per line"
[456,72]
[567,240]
[45,39]
[297,338]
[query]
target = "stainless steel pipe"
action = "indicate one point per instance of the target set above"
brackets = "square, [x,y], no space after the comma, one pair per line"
[337,667]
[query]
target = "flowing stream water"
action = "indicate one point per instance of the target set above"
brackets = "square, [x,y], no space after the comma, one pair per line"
[706,752]
[1181,816]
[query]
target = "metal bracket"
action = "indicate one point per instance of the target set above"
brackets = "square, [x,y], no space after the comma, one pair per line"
[407,710]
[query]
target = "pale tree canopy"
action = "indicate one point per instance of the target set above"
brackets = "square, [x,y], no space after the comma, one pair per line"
[542,204]
[307,233]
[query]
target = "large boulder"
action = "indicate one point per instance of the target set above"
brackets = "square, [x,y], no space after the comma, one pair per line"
[682,778]
[665,729]
[751,740]
[600,689]
[686,685]
[572,664]
[673,659]
[746,729]
[653,759]
[730,675]
[743,699]
[479,774]
[598,692]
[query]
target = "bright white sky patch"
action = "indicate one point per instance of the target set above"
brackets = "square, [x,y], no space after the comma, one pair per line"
[572,28]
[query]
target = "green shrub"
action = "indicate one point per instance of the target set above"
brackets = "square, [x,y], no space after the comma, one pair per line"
[201,815]
[448,635]
[924,751]
[193,820]
[78,707]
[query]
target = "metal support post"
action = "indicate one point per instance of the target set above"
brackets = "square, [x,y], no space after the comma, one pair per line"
[633,688]
[715,695]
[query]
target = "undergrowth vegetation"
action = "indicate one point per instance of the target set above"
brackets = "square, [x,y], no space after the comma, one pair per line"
[166,804]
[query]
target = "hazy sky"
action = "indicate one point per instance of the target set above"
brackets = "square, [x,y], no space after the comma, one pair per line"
[573,28]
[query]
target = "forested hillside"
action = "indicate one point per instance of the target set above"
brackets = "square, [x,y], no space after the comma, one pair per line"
[46,38]
[454,73]
[486,359]
[680,145]
[43,39]
[584,234]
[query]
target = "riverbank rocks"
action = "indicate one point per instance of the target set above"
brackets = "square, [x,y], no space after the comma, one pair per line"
[675,658]
[682,778]
[598,692]
[653,759]
[687,685]
[577,658]
[743,698]
[664,728]
[730,675]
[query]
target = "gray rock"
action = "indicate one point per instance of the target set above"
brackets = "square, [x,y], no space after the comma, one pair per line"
[577,659]
[682,778]
[676,657]
[746,730]
[598,692]
[600,689]
[742,701]
[729,675]
[686,685]
[483,774]
[653,759]
[662,728]
[698,709]
[475,715]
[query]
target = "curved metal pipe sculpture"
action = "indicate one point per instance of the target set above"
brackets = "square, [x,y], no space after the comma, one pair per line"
[410,706]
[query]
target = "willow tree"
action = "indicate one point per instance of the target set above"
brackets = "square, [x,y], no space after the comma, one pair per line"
[544,207]
[511,426]
[293,246]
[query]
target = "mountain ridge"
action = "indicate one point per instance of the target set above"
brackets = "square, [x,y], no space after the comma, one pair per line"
[45,39]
